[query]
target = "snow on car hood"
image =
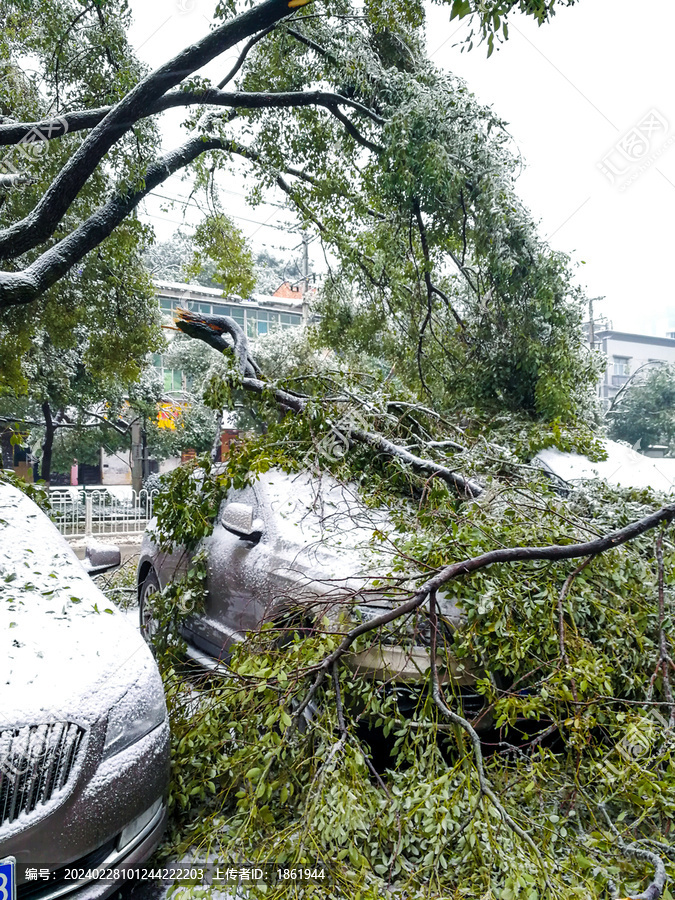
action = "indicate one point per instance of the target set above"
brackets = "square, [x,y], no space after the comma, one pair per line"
[622,468]
[65,652]
[326,528]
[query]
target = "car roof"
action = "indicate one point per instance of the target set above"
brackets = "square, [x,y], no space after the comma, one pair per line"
[305,507]
[622,468]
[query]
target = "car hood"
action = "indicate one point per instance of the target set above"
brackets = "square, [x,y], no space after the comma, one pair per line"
[322,529]
[65,651]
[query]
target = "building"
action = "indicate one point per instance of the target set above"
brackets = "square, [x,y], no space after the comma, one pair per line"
[259,315]
[626,354]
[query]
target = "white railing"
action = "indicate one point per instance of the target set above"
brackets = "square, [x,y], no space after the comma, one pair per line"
[80,512]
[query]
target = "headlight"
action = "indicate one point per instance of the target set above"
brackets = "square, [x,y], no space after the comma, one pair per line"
[140,710]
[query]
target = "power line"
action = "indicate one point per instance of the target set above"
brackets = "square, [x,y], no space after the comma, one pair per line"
[287,230]
[225,190]
[261,243]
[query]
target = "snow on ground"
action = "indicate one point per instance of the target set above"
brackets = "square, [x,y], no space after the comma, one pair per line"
[622,468]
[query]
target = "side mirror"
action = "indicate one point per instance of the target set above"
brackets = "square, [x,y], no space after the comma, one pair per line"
[100,557]
[238,518]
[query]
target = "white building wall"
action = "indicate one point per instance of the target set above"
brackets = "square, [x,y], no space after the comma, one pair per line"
[636,350]
[116,468]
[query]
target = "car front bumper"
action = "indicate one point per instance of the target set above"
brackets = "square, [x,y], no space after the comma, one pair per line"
[90,828]
[407,665]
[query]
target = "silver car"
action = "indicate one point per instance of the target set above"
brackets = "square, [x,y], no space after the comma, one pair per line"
[291,550]
[84,737]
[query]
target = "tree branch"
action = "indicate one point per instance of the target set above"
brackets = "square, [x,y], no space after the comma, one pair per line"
[50,129]
[17,288]
[317,48]
[484,784]
[427,267]
[42,221]
[655,889]
[561,619]
[665,662]
[242,56]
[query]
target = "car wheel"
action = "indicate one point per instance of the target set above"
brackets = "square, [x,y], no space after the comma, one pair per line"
[148,619]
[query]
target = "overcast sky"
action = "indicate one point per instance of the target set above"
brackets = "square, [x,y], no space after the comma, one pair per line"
[590,103]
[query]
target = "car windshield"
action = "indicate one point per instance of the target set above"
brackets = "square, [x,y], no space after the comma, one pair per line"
[304,509]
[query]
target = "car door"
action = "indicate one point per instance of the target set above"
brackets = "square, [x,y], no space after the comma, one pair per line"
[238,575]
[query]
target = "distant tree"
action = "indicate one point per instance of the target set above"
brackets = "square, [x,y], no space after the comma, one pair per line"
[271,271]
[644,411]
[71,377]
[175,260]
[170,421]
[91,329]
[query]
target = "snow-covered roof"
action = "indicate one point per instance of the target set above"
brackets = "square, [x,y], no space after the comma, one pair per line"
[216,294]
[189,288]
[622,468]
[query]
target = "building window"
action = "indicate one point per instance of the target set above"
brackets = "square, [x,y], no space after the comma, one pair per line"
[621,365]
[173,380]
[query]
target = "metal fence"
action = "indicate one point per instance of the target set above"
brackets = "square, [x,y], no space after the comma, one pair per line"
[85,513]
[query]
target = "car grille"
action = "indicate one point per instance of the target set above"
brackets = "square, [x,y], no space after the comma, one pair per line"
[57,877]
[36,763]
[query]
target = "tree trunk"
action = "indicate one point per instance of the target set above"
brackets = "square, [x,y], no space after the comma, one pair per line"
[50,430]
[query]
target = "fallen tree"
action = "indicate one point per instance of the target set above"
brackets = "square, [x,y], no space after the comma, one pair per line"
[558,799]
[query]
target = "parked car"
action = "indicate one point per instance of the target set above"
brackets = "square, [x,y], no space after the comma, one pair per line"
[290,550]
[623,467]
[84,737]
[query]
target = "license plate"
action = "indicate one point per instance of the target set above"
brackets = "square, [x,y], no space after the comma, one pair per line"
[8,878]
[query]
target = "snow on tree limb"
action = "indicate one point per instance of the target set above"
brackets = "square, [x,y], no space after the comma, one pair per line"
[42,221]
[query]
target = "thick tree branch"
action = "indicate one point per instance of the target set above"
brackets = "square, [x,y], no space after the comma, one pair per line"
[17,288]
[22,287]
[50,129]
[464,486]
[655,889]
[44,218]
[204,327]
[552,553]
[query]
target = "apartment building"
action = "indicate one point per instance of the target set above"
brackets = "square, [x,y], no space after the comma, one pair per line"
[257,315]
[626,353]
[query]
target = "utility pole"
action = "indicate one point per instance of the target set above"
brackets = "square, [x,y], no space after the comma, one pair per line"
[591,329]
[305,275]
[136,456]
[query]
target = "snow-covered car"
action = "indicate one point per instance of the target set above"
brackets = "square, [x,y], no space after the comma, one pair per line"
[290,550]
[84,736]
[623,467]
